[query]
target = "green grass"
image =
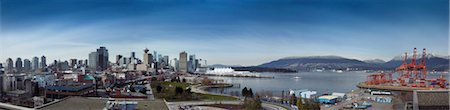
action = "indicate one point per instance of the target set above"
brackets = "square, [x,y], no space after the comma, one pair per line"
[175,84]
[169,93]
[216,97]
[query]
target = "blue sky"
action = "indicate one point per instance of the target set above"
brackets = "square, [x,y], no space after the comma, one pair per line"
[238,32]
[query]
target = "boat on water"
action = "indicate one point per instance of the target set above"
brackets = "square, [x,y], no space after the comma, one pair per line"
[297,77]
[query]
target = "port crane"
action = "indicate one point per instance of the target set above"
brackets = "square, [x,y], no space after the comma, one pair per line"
[413,73]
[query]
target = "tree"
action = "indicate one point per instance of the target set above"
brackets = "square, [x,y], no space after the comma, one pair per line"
[178,90]
[188,91]
[250,93]
[300,104]
[159,88]
[252,103]
[292,100]
[244,92]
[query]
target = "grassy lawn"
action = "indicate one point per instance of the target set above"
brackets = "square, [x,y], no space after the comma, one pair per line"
[175,84]
[169,94]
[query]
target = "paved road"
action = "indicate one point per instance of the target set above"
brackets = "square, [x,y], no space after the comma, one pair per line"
[150,95]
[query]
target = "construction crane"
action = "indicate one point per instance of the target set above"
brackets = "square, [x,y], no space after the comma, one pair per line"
[403,70]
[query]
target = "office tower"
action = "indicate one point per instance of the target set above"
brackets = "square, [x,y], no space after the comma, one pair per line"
[183,62]
[55,63]
[80,63]
[73,63]
[150,59]
[197,64]
[1,72]
[26,65]
[63,65]
[146,57]
[19,65]
[166,60]
[118,57]
[191,63]
[160,58]
[174,63]
[124,61]
[10,65]
[43,62]
[93,56]
[102,58]
[35,63]
[155,56]
[133,54]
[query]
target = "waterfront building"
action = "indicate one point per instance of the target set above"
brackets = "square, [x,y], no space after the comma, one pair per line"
[304,93]
[93,56]
[327,99]
[26,65]
[183,62]
[43,62]
[19,65]
[35,63]
[103,58]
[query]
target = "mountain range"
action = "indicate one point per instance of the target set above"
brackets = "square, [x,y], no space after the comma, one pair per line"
[309,63]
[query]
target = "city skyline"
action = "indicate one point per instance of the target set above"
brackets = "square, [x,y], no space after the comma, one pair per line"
[234,33]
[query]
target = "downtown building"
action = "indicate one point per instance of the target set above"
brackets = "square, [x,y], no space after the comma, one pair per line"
[98,61]
[183,64]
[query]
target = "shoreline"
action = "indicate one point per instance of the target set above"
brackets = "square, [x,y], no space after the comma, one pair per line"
[269,77]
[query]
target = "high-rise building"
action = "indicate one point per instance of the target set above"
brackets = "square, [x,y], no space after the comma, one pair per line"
[19,65]
[35,63]
[174,63]
[192,63]
[73,63]
[63,65]
[146,57]
[118,57]
[26,65]
[155,56]
[43,62]
[166,60]
[183,62]
[93,56]
[10,65]
[80,62]
[133,54]
[103,58]
[150,59]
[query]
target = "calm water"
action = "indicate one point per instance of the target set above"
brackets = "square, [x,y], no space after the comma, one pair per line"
[322,82]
